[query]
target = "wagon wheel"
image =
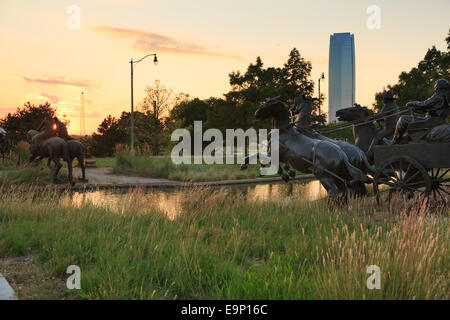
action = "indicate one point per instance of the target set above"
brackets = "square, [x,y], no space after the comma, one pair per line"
[440,185]
[402,175]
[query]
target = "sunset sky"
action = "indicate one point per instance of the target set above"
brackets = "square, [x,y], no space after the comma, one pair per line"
[198,43]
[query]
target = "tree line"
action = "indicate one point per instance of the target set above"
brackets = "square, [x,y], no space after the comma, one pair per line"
[162,111]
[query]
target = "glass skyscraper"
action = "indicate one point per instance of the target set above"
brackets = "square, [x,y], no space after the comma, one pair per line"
[341,73]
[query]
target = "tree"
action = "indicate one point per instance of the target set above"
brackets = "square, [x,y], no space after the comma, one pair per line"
[295,77]
[27,118]
[249,90]
[158,100]
[417,84]
[448,40]
[188,111]
[109,134]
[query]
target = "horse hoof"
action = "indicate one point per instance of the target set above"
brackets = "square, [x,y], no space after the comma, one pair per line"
[285,177]
[292,173]
[244,167]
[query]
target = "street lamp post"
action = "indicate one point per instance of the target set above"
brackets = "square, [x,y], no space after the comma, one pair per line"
[322,77]
[132,64]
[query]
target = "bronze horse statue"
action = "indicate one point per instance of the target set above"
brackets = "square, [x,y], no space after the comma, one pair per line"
[52,148]
[355,155]
[76,150]
[323,158]
[363,130]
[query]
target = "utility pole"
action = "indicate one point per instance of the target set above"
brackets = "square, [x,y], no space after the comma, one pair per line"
[82,123]
[132,65]
[322,77]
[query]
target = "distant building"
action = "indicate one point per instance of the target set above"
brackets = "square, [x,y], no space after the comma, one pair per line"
[341,73]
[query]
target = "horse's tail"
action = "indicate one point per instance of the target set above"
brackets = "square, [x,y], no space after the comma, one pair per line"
[355,173]
[369,167]
[81,154]
[65,152]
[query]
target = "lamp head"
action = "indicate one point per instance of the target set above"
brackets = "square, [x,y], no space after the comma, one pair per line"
[155,60]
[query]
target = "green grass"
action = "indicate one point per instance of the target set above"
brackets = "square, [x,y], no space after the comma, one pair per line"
[223,247]
[104,162]
[161,167]
[27,174]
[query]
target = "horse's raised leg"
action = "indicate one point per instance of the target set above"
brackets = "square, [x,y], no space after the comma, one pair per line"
[58,167]
[343,192]
[328,183]
[83,168]
[69,166]
[283,175]
[247,159]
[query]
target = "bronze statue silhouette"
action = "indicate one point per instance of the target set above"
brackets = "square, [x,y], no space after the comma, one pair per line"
[436,108]
[53,148]
[364,131]
[323,158]
[45,144]
[389,114]
[61,130]
[45,130]
[76,150]
[357,157]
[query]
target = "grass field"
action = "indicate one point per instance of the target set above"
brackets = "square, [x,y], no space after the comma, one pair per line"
[223,247]
[163,167]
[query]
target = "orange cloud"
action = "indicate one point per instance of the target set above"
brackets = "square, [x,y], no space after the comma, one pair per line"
[149,41]
[62,81]
[53,99]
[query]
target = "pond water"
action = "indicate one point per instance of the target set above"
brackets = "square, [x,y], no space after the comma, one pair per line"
[170,200]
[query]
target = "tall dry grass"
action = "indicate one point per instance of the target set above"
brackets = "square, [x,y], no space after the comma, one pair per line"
[222,246]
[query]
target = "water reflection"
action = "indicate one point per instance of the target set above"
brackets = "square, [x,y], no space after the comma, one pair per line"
[170,201]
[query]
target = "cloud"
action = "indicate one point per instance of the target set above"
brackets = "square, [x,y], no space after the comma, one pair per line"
[149,41]
[61,81]
[53,99]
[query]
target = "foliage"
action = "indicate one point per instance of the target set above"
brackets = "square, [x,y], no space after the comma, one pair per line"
[158,100]
[149,134]
[417,84]
[27,118]
[163,167]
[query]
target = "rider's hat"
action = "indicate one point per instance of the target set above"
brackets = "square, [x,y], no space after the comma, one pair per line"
[388,95]
[441,84]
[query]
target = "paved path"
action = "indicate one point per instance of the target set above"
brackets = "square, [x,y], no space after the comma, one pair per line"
[104,175]
[6,292]
[103,178]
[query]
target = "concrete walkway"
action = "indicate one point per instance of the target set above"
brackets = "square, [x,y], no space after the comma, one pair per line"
[6,292]
[104,175]
[103,178]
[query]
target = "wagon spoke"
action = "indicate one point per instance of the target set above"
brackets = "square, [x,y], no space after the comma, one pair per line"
[443,190]
[434,194]
[437,173]
[443,175]
[415,183]
[442,197]
[395,172]
[415,174]
[407,170]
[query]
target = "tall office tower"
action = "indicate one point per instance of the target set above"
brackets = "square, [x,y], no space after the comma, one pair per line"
[341,73]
